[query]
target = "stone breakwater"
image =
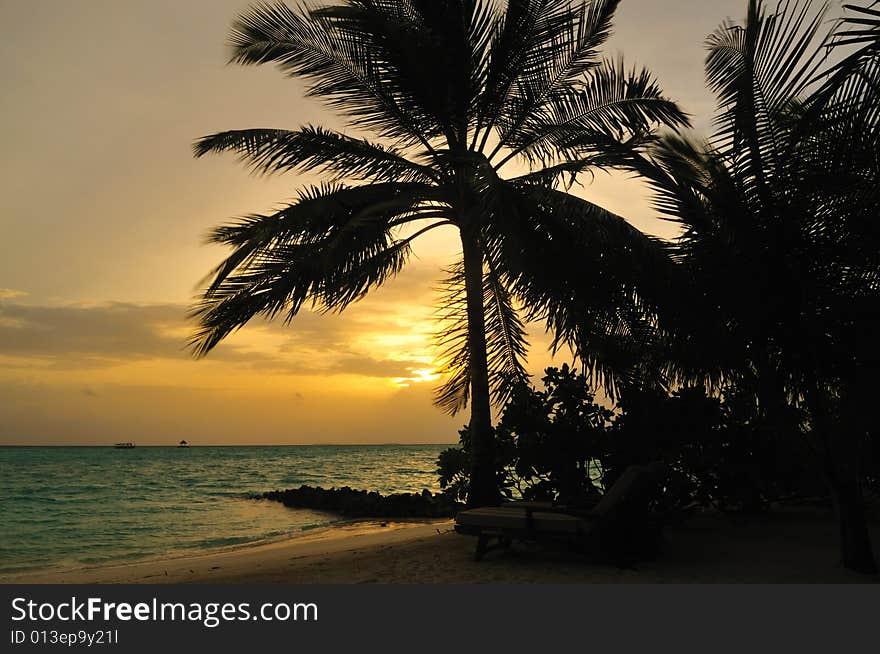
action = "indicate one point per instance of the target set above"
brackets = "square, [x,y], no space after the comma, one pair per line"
[365,504]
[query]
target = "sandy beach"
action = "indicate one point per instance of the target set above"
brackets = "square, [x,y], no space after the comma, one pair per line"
[789,546]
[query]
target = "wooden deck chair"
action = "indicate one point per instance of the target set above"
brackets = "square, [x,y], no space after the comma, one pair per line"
[619,524]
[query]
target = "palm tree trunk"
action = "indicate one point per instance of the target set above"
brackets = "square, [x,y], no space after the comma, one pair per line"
[484,486]
[855,541]
[841,468]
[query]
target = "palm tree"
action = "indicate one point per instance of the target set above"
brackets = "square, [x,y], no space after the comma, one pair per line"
[780,243]
[452,91]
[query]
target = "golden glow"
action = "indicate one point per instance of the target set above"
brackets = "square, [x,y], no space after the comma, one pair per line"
[101,203]
[419,377]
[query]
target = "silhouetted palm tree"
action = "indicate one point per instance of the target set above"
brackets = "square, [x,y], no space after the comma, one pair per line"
[452,91]
[780,236]
[859,31]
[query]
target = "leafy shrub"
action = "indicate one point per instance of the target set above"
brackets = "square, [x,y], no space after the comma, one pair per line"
[547,442]
[559,444]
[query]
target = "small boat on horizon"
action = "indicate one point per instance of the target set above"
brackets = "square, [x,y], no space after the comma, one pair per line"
[124,446]
[183,444]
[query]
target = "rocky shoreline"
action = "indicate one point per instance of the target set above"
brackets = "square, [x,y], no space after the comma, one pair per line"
[366,504]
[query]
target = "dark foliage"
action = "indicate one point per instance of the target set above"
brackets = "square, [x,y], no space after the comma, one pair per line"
[778,210]
[364,504]
[558,444]
[547,442]
[719,450]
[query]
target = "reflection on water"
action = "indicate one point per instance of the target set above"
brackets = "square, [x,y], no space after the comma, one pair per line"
[75,506]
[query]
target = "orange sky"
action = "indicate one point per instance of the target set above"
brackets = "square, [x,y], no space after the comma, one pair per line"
[103,210]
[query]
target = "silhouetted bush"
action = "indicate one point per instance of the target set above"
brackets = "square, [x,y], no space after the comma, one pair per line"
[547,443]
[720,451]
[559,444]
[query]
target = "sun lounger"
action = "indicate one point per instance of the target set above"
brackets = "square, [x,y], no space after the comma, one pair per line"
[585,504]
[619,524]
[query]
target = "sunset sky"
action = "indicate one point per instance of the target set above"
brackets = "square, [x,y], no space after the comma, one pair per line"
[103,212]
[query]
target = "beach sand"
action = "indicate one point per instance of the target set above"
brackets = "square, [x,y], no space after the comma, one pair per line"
[793,545]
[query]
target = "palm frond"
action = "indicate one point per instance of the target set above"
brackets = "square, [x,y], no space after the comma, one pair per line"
[564,45]
[594,274]
[506,342]
[855,76]
[309,148]
[339,65]
[328,249]
[612,106]
[759,71]
[779,242]
[862,29]
[450,68]
[515,32]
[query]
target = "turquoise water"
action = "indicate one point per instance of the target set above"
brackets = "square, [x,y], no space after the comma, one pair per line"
[64,507]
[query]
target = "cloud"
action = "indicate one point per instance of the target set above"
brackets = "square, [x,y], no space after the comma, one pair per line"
[9,294]
[84,337]
[370,367]
[106,332]
[386,340]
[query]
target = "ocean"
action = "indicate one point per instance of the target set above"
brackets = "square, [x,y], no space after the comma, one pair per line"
[70,507]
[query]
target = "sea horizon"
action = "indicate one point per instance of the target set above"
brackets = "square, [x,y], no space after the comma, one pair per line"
[176,445]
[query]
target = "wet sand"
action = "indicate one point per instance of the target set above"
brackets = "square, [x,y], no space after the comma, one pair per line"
[790,546]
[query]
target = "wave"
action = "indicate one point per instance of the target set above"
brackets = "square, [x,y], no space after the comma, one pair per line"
[60,504]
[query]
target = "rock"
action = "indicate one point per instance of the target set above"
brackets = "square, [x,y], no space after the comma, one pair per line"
[363,504]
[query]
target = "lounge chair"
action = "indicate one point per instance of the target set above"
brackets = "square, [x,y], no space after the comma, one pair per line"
[620,526]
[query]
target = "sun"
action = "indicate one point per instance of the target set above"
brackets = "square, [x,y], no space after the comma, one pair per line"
[419,376]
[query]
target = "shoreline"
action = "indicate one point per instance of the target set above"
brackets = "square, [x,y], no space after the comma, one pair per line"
[788,545]
[330,538]
[188,553]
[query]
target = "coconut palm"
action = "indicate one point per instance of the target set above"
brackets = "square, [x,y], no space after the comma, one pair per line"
[479,115]
[859,32]
[779,212]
